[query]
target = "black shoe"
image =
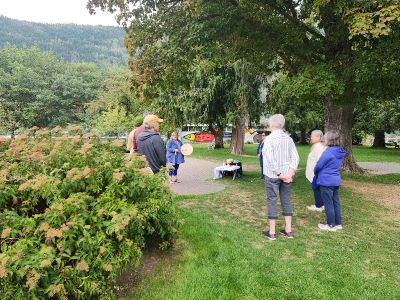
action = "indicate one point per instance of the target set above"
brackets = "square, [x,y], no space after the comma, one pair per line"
[271,237]
[289,235]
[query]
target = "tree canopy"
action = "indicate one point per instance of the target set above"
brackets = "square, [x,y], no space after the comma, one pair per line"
[322,47]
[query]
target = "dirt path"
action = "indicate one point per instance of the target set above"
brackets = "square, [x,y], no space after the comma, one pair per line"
[387,195]
[381,167]
[196,178]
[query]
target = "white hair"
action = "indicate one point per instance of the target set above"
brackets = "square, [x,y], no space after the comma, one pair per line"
[318,133]
[277,121]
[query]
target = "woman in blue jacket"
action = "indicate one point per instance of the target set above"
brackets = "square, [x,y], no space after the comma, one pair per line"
[174,156]
[327,172]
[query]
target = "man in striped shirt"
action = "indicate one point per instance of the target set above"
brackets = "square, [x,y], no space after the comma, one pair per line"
[280,163]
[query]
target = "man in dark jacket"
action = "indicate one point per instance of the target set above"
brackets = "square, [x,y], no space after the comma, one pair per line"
[150,143]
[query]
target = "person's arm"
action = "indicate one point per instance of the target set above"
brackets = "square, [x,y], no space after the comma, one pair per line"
[320,163]
[171,147]
[269,157]
[160,150]
[294,158]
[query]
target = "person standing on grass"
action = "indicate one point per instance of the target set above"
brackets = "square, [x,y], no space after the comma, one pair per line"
[280,161]
[316,151]
[151,145]
[259,151]
[327,171]
[174,156]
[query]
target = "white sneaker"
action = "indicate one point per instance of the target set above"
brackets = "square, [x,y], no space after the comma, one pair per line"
[314,208]
[326,227]
[339,227]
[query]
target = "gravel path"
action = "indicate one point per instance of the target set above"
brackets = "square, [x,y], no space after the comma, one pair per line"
[381,167]
[193,175]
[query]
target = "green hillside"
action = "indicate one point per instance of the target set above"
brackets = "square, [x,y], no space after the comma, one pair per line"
[102,45]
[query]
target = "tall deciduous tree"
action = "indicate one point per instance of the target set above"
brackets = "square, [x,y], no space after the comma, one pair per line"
[298,37]
[114,109]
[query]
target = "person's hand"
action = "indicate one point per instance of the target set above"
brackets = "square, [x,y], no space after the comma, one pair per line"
[176,150]
[286,178]
[258,155]
[290,173]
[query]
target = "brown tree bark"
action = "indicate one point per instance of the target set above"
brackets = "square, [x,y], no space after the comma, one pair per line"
[340,117]
[379,139]
[218,136]
[303,139]
[237,142]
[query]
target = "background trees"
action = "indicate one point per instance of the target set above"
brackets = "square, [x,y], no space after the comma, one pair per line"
[38,89]
[102,45]
[114,109]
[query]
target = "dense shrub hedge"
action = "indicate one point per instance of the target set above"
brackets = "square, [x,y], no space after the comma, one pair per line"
[74,211]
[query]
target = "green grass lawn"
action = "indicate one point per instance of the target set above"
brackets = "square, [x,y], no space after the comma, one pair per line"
[221,254]
[361,153]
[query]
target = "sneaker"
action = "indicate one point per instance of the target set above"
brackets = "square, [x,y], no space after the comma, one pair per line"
[326,227]
[339,227]
[314,208]
[271,237]
[289,235]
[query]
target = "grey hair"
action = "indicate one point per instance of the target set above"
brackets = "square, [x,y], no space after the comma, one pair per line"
[332,138]
[318,133]
[277,121]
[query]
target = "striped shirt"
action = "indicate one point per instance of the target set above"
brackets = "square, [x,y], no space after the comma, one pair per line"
[279,154]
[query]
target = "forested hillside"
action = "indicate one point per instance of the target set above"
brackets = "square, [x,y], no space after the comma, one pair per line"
[102,45]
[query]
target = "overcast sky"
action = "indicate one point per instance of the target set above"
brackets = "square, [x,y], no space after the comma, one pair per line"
[54,11]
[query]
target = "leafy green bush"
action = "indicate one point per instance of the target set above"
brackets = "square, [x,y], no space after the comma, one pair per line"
[74,212]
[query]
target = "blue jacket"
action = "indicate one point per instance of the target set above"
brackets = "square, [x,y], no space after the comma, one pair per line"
[328,166]
[173,158]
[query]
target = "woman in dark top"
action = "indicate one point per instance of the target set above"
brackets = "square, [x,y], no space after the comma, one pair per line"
[259,151]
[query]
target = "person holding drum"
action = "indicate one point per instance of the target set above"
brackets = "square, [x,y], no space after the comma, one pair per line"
[174,156]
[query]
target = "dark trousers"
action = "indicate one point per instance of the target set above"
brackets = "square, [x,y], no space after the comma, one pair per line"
[330,196]
[276,187]
[317,197]
[174,172]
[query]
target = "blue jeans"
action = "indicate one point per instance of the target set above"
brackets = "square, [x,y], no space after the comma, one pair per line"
[330,196]
[317,197]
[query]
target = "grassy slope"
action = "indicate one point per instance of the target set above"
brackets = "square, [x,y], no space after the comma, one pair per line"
[221,253]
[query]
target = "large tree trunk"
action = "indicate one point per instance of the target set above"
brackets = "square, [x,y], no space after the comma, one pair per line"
[340,117]
[218,136]
[237,142]
[303,140]
[379,139]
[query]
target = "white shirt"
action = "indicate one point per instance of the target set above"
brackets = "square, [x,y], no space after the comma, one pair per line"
[316,151]
[279,154]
